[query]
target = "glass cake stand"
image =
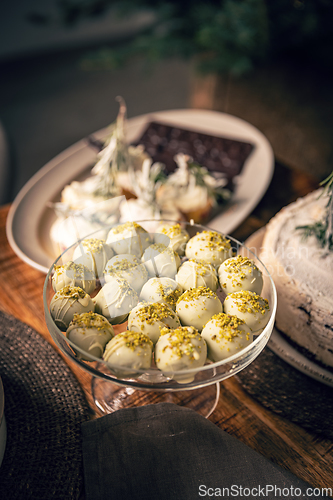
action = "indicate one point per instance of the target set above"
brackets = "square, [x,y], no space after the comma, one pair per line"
[150,386]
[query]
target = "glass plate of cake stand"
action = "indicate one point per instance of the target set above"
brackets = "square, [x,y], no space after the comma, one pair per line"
[197,388]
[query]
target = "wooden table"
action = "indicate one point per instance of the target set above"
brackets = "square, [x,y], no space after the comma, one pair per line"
[307,455]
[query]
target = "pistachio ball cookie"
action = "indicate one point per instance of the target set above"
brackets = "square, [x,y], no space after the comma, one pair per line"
[165,290]
[250,307]
[180,349]
[90,332]
[150,318]
[193,274]
[129,238]
[240,273]
[73,274]
[68,301]
[225,336]
[172,235]
[129,268]
[196,306]
[161,261]
[129,352]
[94,254]
[209,246]
[115,300]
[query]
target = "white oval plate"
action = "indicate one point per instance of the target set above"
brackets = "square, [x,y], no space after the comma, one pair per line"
[29,219]
[279,344]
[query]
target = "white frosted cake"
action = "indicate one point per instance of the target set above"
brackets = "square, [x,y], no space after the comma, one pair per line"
[302,270]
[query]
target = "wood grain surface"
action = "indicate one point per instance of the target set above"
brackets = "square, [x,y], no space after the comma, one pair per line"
[307,455]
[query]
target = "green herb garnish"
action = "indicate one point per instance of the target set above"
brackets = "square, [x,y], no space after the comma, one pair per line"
[113,158]
[323,230]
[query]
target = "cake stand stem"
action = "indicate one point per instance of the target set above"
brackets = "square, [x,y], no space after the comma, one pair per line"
[109,397]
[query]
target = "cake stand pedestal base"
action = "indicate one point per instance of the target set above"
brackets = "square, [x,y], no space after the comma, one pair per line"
[109,397]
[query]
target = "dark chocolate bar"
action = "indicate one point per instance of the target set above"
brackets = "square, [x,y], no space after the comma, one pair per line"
[218,154]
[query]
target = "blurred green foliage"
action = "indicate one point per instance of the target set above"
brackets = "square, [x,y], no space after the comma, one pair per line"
[222,36]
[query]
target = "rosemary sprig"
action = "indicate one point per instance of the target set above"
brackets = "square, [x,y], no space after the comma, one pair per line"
[328,183]
[323,230]
[113,157]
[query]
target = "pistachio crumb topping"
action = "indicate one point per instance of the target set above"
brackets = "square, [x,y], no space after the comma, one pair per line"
[127,225]
[93,245]
[91,320]
[173,230]
[238,268]
[74,292]
[169,293]
[215,240]
[201,269]
[156,311]
[135,339]
[124,265]
[195,293]
[181,341]
[78,270]
[228,327]
[250,302]
[161,248]
[236,264]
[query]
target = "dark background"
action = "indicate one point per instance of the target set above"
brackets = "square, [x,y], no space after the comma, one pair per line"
[49,99]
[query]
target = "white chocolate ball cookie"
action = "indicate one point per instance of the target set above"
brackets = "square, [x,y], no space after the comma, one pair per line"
[250,307]
[130,238]
[178,350]
[225,336]
[115,300]
[128,352]
[68,301]
[90,332]
[129,268]
[172,235]
[161,261]
[72,274]
[240,273]
[93,254]
[165,290]
[209,246]
[192,274]
[150,318]
[196,306]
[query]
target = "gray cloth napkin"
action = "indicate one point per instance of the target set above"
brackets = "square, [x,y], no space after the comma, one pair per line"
[168,452]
